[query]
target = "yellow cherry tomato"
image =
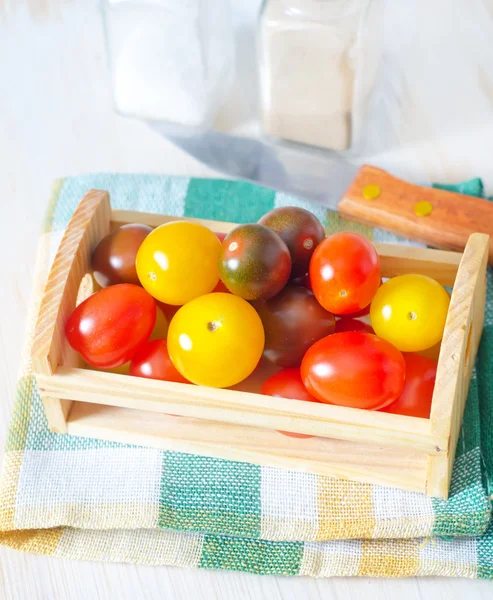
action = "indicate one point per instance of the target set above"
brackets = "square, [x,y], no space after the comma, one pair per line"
[216,340]
[177,262]
[409,311]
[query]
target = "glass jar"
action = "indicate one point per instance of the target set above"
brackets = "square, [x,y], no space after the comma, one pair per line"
[310,55]
[171,61]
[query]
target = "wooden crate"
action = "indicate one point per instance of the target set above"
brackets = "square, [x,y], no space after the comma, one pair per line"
[239,424]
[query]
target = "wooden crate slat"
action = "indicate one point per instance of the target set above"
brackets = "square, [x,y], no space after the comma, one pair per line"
[336,458]
[89,223]
[242,407]
[459,348]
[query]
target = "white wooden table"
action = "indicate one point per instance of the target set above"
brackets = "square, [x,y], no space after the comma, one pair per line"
[56,119]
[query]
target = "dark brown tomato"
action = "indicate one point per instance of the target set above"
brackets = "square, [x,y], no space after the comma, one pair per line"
[293,321]
[301,232]
[254,263]
[113,260]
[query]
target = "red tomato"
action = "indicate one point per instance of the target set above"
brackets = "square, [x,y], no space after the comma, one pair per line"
[221,236]
[345,273]
[288,384]
[415,400]
[354,369]
[153,362]
[350,324]
[108,327]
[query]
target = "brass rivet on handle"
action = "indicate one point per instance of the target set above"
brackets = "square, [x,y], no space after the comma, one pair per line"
[423,209]
[371,192]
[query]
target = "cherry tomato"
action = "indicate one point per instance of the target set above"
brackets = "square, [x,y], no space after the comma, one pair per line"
[415,399]
[153,362]
[354,369]
[293,321]
[216,340]
[300,230]
[108,327]
[410,312]
[345,273]
[350,324]
[288,384]
[177,262]
[113,260]
[254,262]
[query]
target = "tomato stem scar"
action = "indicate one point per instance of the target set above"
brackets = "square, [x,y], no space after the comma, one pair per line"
[212,325]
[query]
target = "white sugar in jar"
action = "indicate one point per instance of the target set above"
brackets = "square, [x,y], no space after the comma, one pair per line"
[171,61]
[309,60]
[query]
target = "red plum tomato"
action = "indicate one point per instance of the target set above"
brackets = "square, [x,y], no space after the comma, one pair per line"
[109,326]
[354,369]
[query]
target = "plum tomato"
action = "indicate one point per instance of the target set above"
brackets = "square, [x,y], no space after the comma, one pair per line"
[354,369]
[287,383]
[254,263]
[113,260]
[177,262]
[415,399]
[300,230]
[109,326]
[153,362]
[293,321]
[216,340]
[410,312]
[350,324]
[345,273]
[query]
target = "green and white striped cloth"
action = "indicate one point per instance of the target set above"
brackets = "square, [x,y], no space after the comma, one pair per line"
[89,499]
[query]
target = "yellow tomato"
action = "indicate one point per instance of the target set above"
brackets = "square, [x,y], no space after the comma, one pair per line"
[410,311]
[177,262]
[216,340]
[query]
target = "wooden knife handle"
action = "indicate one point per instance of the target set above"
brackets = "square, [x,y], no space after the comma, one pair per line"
[453,217]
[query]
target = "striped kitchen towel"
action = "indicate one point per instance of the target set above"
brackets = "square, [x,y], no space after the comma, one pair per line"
[84,498]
